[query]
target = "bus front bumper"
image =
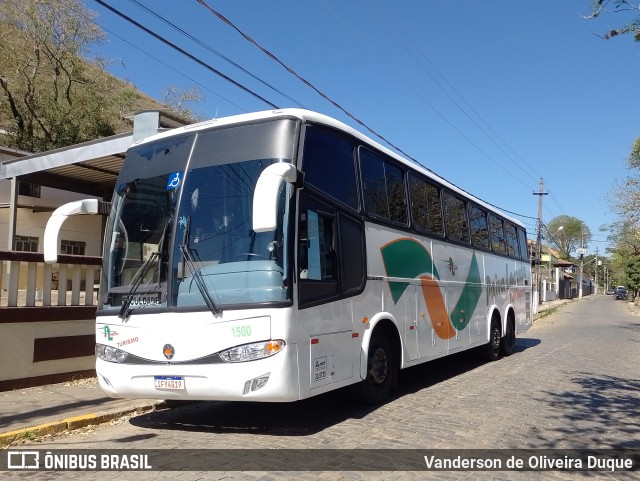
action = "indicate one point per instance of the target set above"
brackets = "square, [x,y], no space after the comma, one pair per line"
[273,379]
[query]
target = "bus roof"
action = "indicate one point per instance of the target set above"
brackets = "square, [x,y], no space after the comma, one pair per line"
[315,117]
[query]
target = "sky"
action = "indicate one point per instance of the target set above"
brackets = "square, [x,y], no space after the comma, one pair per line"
[490,95]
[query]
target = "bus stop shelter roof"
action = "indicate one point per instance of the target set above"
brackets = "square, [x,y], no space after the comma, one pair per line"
[90,168]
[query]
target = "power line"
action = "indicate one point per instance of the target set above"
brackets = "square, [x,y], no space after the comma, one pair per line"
[389,15]
[86,17]
[215,52]
[429,104]
[185,53]
[325,96]
[171,68]
[303,80]
[479,127]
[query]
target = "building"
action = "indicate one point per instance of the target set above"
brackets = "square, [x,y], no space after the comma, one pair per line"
[32,186]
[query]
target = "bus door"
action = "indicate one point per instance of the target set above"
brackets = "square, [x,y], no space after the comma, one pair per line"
[432,320]
[410,322]
[330,269]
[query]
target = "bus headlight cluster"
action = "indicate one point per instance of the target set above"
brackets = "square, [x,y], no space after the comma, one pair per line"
[110,354]
[253,351]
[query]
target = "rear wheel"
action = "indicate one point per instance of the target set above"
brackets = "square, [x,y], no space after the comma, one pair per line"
[509,341]
[492,349]
[381,370]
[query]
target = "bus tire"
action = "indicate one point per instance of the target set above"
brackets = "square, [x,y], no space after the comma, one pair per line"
[492,348]
[508,343]
[380,371]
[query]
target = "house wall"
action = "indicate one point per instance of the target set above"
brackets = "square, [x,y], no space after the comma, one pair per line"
[29,223]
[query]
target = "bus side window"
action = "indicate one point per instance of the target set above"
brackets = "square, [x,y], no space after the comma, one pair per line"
[455,214]
[425,205]
[352,255]
[317,253]
[317,257]
[511,236]
[522,241]
[496,233]
[479,227]
[384,188]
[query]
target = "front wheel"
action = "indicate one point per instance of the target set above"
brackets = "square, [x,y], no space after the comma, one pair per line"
[492,349]
[381,370]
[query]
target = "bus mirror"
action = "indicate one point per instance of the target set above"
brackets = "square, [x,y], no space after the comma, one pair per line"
[51,231]
[265,196]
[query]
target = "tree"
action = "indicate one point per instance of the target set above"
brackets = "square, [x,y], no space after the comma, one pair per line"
[51,94]
[566,234]
[622,8]
[176,97]
[624,232]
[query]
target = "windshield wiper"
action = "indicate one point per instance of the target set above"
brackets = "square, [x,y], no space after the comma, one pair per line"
[138,277]
[191,257]
[142,271]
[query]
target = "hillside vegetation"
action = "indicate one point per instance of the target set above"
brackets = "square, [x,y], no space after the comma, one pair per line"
[51,95]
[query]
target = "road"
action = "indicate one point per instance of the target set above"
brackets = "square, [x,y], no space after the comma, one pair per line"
[573,383]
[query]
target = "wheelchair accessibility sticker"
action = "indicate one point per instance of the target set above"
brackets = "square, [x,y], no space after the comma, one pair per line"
[174,181]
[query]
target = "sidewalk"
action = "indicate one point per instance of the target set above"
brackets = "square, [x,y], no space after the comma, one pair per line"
[547,305]
[54,408]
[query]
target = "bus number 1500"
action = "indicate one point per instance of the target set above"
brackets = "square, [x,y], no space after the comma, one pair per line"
[241,331]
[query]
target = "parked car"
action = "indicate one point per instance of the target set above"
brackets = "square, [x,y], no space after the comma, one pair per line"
[611,292]
[621,293]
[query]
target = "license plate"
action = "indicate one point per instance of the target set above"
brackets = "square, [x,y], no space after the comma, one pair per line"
[169,382]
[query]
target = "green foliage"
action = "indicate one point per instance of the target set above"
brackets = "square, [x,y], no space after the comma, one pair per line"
[51,95]
[632,273]
[47,87]
[634,156]
[566,234]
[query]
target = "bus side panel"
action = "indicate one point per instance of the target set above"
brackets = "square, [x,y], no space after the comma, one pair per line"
[523,302]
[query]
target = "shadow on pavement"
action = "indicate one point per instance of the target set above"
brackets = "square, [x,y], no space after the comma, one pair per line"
[309,416]
[598,405]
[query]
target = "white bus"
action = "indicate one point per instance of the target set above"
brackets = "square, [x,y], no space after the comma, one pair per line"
[278,255]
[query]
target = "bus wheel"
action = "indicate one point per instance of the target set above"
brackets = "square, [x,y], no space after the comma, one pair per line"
[509,341]
[492,349]
[380,371]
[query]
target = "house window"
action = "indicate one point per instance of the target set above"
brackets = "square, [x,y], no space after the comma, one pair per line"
[26,243]
[75,248]
[29,189]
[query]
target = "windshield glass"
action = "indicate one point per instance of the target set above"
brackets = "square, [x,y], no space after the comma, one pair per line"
[180,229]
[214,235]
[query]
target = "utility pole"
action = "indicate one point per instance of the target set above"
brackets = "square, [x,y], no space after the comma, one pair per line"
[582,251]
[540,193]
[596,271]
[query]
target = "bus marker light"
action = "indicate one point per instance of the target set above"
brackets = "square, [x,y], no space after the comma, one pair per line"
[354,334]
[256,383]
[315,341]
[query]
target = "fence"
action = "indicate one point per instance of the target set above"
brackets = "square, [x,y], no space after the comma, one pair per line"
[47,318]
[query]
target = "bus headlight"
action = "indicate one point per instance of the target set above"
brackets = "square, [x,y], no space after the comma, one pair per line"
[253,351]
[110,354]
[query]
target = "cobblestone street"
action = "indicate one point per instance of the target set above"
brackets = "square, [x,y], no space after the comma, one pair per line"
[572,383]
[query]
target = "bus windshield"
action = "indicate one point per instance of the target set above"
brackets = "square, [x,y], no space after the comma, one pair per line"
[184,238]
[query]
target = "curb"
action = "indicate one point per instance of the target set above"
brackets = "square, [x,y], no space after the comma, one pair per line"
[72,423]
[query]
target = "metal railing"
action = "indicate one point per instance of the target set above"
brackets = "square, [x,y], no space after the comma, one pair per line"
[26,281]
